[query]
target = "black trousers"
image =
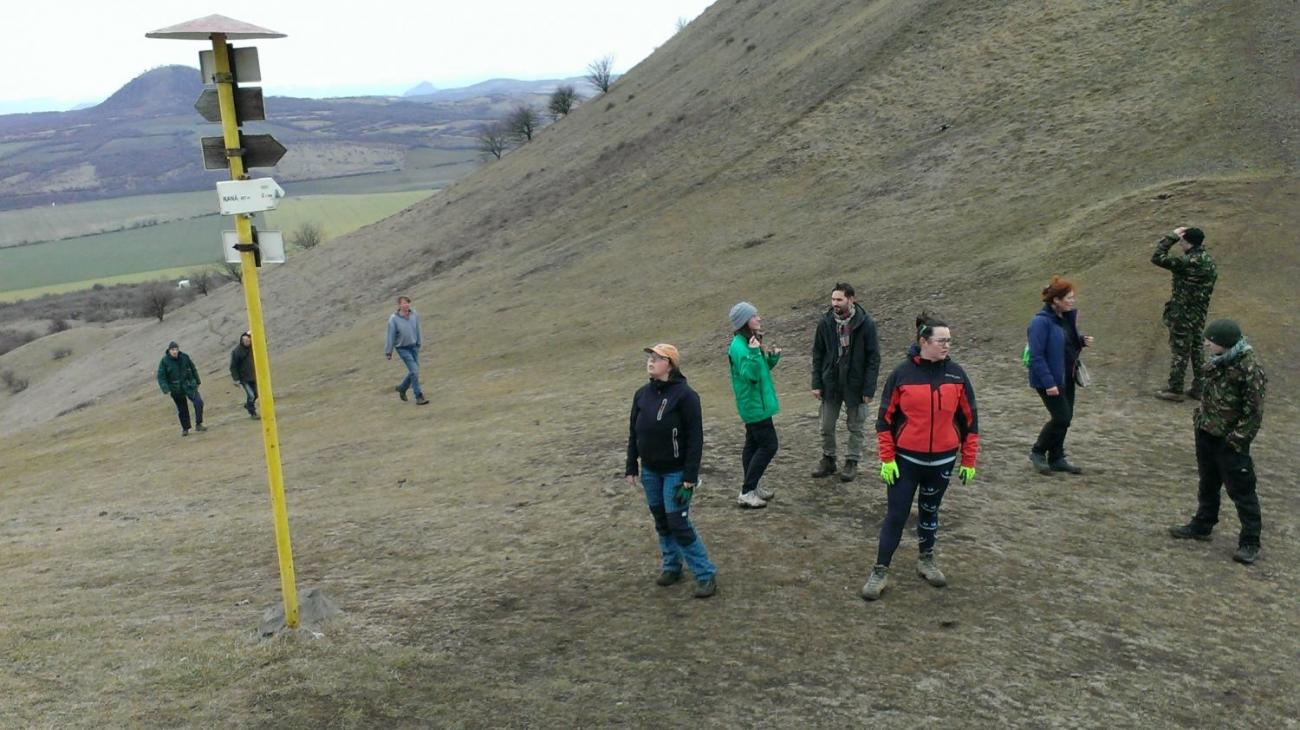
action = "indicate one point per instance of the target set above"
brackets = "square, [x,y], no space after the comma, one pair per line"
[1220,466]
[1051,439]
[760,447]
[183,409]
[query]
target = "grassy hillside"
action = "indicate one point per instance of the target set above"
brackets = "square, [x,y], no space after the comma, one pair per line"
[495,571]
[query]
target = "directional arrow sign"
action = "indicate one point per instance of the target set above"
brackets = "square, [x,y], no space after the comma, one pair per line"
[248,196]
[259,150]
[248,105]
[270,242]
[243,63]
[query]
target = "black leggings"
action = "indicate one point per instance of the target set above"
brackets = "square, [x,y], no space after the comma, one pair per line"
[1051,440]
[933,482]
[760,447]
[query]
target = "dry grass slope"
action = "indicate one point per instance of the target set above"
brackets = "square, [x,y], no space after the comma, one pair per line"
[941,154]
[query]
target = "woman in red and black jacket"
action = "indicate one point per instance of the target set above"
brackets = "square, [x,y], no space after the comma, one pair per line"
[927,422]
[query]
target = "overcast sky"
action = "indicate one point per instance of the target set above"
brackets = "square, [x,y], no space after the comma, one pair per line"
[58,53]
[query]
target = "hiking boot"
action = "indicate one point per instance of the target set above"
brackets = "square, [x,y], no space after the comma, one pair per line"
[751,500]
[706,588]
[400,393]
[1040,462]
[876,582]
[668,577]
[420,400]
[926,568]
[1194,393]
[1170,395]
[185,432]
[1246,554]
[1062,464]
[254,416]
[1190,531]
[200,427]
[850,471]
[825,467]
[764,493]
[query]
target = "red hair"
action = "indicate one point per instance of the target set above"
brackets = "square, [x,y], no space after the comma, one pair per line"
[1057,288]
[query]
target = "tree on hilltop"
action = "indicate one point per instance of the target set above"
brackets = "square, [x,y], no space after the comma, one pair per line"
[523,122]
[493,139]
[562,101]
[601,73]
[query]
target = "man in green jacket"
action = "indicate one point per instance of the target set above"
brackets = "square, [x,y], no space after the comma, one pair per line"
[751,381]
[1232,409]
[178,378]
[1194,275]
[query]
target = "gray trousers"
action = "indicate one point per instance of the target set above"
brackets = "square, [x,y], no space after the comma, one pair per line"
[857,417]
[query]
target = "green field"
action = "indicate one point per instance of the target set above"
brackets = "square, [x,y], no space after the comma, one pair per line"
[178,244]
[51,223]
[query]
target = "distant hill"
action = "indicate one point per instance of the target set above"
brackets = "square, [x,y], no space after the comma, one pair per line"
[504,87]
[145,137]
[424,88]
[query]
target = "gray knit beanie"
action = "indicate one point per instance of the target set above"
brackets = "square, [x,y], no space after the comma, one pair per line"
[741,313]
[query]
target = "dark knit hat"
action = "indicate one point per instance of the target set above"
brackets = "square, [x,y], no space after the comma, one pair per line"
[1194,236]
[1223,332]
[172,344]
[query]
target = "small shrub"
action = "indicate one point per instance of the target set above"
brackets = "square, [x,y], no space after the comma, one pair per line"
[58,324]
[14,383]
[61,353]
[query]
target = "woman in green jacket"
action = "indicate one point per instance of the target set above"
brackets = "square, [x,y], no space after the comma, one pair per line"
[751,379]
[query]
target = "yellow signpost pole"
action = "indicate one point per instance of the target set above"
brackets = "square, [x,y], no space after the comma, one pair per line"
[253,300]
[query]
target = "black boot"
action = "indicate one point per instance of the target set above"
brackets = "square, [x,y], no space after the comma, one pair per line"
[825,467]
[1040,462]
[850,471]
[1062,464]
[1190,531]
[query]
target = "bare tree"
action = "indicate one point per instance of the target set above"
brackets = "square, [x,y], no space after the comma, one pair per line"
[232,272]
[156,299]
[307,235]
[202,282]
[682,22]
[523,122]
[493,139]
[601,73]
[563,99]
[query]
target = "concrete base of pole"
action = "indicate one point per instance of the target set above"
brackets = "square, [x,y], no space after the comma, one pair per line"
[314,608]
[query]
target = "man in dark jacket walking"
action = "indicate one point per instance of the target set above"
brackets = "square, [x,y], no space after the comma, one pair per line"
[845,367]
[1231,411]
[243,372]
[178,378]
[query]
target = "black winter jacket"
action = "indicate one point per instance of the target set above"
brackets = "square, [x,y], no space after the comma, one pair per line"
[241,364]
[854,376]
[666,430]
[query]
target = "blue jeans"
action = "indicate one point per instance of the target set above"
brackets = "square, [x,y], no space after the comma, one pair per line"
[677,538]
[411,358]
[183,408]
[250,395]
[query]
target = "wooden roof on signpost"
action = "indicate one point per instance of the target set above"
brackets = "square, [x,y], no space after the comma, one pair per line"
[202,29]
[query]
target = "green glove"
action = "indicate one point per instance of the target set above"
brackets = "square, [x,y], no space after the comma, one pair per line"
[684,493]
[889,472]
[966,474]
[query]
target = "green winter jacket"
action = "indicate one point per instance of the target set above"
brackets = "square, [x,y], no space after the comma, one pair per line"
[751,379]
[178,375]
[1232,397]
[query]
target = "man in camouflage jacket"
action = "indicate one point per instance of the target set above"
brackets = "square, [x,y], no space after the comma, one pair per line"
[1194,275]
[1232,408]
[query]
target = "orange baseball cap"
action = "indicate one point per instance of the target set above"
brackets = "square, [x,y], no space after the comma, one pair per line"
[664,349]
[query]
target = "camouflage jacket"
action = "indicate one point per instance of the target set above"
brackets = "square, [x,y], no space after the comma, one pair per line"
[1232,396]
[1194,277]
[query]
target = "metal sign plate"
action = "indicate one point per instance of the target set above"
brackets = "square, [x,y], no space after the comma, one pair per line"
[248,70]
[248,196]
[248,105]
[270,242]
[260,150]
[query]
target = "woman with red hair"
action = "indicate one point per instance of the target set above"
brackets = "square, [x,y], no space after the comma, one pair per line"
[1054,346]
